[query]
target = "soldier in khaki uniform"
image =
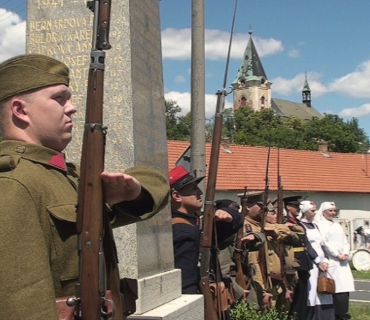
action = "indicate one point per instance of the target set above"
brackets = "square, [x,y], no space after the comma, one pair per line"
[290,263]
[252,241]
[38,240]
[279,235]
[254,206]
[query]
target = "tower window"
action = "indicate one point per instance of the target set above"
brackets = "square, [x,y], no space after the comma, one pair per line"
[262,102]
[243,101]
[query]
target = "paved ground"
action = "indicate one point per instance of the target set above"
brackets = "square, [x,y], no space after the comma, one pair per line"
[362,293]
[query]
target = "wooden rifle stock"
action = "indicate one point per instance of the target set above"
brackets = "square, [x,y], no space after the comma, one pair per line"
[280,219]
[263,253]
[98,270]
[240,276]
[209,210]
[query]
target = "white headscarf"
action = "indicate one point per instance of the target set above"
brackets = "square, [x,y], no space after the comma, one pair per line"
[324,206]
[306,205]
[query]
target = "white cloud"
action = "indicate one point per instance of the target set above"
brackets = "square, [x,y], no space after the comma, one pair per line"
[294,53]
[183,101]
[180,79]
[12,35]
[288,86]
[355,84]
[176,44]
[357,112]
[216,44]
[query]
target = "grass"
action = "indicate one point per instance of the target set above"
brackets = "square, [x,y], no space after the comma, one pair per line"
[359,311]
[361,274]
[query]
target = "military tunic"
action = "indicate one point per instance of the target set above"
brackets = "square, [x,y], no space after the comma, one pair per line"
[229,269]
[283,235]
[251,225]
[38,239]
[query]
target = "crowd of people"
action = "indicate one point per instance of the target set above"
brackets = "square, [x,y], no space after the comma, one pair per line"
[281,262]
[278,263]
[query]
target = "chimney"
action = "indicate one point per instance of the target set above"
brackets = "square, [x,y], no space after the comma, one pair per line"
[225,144]
[323,146]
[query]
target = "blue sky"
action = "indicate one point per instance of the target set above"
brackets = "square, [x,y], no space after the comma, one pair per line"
[327,39]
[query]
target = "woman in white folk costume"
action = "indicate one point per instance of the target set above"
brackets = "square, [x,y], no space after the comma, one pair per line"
[320,306]
[337,249]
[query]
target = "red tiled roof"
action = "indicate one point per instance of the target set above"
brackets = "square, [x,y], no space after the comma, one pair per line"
[300,170]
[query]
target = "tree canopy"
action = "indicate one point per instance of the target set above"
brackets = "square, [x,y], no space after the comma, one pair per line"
[248,127]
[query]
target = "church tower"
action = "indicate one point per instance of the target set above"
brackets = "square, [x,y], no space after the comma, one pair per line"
[306,93]
[251,87]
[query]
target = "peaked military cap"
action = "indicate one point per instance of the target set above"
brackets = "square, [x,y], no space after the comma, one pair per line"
[294,200]
[252,196]
[30,71]
[180,177]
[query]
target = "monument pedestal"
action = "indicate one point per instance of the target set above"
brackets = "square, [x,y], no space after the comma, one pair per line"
[186,307]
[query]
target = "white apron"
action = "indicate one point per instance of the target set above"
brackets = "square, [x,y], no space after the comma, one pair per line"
[315,298]
[335,243]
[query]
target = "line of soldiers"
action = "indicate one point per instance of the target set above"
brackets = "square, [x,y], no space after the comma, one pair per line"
[276,257]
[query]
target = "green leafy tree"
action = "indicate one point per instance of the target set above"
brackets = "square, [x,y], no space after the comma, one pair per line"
[178,126]
[340,136]
[228,126]
[264,127]
[261,128]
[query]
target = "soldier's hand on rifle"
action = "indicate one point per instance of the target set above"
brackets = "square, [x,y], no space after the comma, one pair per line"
[221,215]
[267,300]
[289,296]
[248,238]
[246,294]
[289,224]
[270,232]
[120,187]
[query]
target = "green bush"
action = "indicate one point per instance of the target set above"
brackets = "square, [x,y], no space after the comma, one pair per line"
[241,311]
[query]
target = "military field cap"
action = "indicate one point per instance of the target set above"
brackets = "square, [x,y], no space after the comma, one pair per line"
[293,200]
[180,177]
[252,196]
[226,203]
[30,71]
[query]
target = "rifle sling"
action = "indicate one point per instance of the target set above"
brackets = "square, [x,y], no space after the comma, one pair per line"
[178,220]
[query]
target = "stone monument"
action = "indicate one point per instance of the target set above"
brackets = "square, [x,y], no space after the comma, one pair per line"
[134,111]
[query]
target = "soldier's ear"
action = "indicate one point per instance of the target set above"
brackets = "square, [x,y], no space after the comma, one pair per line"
[18,109]
[176,196]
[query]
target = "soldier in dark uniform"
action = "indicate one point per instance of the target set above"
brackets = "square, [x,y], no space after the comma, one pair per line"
[304,255]
[186,203]
[38,240]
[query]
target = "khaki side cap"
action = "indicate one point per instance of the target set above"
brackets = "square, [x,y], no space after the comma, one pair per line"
[30,71]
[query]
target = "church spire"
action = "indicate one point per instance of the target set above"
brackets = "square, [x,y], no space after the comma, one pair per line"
[251,88]
[306,93]
[251,68]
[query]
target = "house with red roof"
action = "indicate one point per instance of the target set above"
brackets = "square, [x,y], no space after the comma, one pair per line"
[319,176]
